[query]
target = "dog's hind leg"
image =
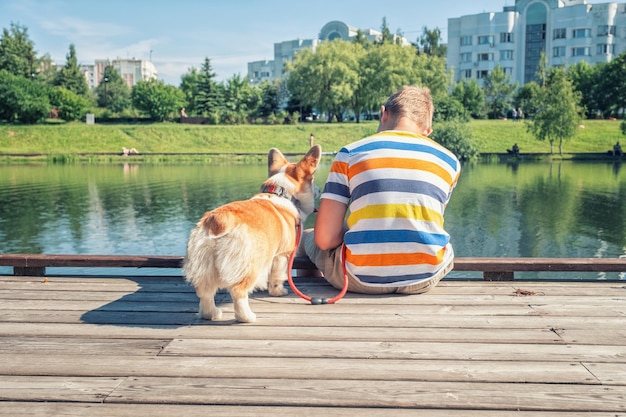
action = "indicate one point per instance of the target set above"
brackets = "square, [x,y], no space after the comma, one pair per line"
[239,294]
[278,275]
[207,309]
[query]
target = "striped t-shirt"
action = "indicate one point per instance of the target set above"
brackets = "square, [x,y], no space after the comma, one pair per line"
[396,185]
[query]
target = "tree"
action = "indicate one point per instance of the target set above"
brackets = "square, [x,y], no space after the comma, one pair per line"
[498,92]
[47,70]
[361,39]
[387,36]
[240,100]
[17,54]
[70,105]
[612,85]
[456,137]
[157,99]
[112,92]
[22,99]
[557,117]
[189,83]
[586,79]
[471,96]
[208,100]
[527,98]
[430,42]
[270,100]
[448,108]
[70,77]
[325,79]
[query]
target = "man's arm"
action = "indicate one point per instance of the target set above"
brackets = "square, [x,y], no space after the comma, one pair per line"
[329,224]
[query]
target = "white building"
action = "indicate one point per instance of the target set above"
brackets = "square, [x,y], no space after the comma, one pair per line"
[569,31]
[131,70]
[259,71]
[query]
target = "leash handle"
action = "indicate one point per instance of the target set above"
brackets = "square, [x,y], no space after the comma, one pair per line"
[316,300]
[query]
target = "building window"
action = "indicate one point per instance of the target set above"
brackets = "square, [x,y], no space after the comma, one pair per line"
[506,37]
[466,40]
[466,73]
[606,30]
[581,33]
[581,51]
[558,51]
[508,71]
[506,55]
[559,33]
[605,49]
[485,57]
[480,74]
[466,57]
[485,40]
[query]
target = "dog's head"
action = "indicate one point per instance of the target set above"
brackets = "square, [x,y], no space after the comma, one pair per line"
[296,178]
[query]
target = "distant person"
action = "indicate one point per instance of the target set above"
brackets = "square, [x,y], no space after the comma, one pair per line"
[514,150]
[311,140]
[617,149]
[183,113]
[514,115]
[520,113]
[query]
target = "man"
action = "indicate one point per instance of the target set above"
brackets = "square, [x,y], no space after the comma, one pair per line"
[394,186]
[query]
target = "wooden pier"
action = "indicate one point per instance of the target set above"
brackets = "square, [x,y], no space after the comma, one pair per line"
[133,346]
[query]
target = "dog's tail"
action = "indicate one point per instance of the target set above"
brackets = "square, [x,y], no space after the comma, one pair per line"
[218,223]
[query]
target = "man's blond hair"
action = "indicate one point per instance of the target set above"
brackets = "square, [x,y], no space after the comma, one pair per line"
[414,103]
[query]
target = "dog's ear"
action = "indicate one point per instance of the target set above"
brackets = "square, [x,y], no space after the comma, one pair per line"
[311,160]
[275,161]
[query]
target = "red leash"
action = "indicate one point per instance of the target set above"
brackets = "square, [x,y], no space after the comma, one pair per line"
[317,300]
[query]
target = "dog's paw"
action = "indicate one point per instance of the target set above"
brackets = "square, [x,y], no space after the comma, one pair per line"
[277,290]
[245,317]
[212,314]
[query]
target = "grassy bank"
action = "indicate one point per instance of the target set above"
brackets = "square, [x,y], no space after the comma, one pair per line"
[78,140]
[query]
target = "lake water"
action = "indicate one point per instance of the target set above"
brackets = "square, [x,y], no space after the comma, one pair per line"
[558,209]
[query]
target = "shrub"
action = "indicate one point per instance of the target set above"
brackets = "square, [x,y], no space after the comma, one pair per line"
[456,136]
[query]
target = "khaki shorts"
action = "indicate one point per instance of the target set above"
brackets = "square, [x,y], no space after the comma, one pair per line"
[329,263]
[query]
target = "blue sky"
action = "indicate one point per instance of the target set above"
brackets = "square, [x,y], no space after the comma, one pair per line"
[179,34]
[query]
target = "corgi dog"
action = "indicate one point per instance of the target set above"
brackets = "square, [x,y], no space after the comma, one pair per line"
[245,245]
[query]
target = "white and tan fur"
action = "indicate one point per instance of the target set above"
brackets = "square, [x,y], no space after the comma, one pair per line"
[245,245]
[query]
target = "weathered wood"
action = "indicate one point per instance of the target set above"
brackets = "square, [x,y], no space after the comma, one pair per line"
[494,269]
[22,409]
[127,346]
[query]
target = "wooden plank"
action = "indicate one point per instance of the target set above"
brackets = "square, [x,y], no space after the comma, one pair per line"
[43,346]
[57,364]
[65,388]
[317,314]
[489,265]
[608,373]
[340,393]
[397,350]
[411,323]
[83,261]
[334,333]
[62,409]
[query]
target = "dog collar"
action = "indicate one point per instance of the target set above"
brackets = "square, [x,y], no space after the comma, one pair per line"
[278,190]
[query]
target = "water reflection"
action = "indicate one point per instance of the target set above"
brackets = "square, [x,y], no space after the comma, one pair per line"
[560,209]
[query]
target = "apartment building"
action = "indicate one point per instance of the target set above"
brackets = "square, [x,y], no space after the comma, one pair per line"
[259,71]
[568,31]
[131,71]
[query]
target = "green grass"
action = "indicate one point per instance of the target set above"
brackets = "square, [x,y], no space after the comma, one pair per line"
[70,141]
[495,136]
